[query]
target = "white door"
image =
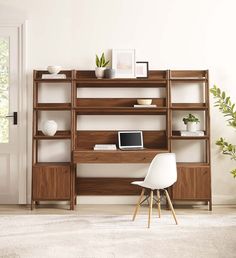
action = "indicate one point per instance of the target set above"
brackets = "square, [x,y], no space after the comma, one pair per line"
[9,127]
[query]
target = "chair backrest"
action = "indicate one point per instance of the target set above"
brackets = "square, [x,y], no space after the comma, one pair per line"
[162,171]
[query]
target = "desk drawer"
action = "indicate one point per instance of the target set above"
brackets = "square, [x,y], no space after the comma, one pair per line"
[96,157]
[137,157]
[113,156]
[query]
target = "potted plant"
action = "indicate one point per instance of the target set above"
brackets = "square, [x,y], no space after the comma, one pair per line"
[101,64]
[191,122]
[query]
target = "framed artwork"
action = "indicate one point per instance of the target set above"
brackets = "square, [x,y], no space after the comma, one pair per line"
[123,61]
[141,69]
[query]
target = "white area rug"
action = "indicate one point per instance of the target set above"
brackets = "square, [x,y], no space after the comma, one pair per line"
[117,236]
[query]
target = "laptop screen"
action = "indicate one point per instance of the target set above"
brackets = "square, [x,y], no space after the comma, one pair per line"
[130,139]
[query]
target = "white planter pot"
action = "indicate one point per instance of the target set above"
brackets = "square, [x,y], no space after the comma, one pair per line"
[99,72]
[49,128]
[192,126]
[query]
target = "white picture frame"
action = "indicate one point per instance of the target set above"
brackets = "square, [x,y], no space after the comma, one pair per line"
[124,63]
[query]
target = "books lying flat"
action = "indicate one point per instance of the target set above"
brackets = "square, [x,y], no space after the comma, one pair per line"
[145,106]
[53,76]
[104,147]
[187,133]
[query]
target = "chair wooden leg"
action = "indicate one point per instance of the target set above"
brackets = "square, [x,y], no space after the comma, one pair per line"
[159,203]
[150,209]
[171,206]
[138,204]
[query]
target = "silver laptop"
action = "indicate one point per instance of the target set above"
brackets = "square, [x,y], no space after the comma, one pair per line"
[130,140]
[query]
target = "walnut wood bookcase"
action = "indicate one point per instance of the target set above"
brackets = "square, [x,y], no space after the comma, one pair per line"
[57,181]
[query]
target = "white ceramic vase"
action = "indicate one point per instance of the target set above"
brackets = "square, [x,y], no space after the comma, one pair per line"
[99,72]
[49,128]
[192,126]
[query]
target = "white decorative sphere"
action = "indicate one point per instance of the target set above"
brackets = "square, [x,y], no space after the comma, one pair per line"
[49,128]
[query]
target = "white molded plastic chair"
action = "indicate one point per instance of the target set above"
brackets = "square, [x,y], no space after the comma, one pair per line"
[162,173]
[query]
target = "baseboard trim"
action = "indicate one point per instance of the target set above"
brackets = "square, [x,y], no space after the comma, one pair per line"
[224,199]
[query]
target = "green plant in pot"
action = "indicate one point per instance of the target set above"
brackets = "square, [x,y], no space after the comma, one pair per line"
[226,107]
[101,64]
[191,122]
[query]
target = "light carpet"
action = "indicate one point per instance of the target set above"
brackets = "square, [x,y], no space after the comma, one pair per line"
[117,236]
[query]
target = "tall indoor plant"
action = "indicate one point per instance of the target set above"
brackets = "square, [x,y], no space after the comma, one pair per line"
[225,105]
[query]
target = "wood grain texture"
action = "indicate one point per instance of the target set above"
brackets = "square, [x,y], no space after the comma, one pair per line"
[115,102]
[154,75]
[118,156]
[62,134]
[51,182]
[52,106]
[193,183]
[120,111]
[107,186]
[188,74]
[38,76]
[87,139]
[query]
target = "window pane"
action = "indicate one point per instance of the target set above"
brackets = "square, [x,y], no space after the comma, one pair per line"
[4,90]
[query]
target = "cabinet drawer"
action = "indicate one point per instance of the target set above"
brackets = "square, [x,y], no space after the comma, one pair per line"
[51,183]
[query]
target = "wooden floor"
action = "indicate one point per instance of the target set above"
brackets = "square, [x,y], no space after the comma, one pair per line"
[111,209]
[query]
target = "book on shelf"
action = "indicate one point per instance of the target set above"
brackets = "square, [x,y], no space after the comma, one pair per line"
[187,133]
[53,76]
[104,147]
[144,106]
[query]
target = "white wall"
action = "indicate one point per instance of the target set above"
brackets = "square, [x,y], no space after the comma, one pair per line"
[171,34]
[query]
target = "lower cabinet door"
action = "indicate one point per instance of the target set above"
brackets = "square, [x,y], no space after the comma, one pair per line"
[192,183]
[51,183]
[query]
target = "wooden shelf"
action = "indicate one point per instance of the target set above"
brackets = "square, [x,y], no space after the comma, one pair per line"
[58,135]
[53,106]
[67,80]
[120,111]
[186,80]
[88,79]
[189,106]
[52,164]
[115,102]
[120,83]
[176,136]
[192,164]
[38,76]
[189,137]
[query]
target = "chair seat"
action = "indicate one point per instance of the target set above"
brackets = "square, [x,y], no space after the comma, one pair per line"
[143,184]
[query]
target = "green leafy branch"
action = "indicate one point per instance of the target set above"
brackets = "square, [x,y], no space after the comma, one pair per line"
[225,105]
[101,62]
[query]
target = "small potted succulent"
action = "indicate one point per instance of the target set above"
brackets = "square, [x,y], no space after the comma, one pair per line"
[101,64]
[191,122]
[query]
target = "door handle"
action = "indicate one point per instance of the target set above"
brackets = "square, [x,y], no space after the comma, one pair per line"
[14,118]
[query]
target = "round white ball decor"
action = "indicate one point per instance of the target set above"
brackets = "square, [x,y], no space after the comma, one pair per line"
[49,128]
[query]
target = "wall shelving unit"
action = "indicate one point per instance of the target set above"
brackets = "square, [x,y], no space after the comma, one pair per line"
[51,181]
[193,183]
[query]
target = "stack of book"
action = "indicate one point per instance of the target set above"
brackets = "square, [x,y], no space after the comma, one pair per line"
[53,76]
[104,147]
[187,133]
[144,106]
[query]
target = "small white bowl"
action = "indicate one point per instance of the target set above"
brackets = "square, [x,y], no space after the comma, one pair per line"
[144,101]
[54,69]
